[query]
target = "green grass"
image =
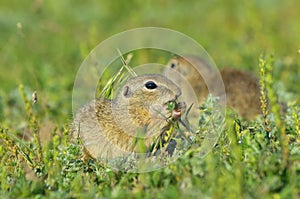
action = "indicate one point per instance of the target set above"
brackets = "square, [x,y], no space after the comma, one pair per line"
[42,45]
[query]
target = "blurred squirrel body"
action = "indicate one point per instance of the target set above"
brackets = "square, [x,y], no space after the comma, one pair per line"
[242,88]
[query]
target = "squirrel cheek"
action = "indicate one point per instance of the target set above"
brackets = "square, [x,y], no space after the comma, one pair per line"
[155,110]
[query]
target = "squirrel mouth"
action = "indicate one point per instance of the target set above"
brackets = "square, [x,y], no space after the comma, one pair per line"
[171,109]
[176,113]
[176,108]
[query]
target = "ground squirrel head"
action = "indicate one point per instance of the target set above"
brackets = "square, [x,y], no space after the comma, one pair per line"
[189,66]
[149,89]
[144,99]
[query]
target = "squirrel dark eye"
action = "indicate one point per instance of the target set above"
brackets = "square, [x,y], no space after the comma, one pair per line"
[173,65]
[150,85]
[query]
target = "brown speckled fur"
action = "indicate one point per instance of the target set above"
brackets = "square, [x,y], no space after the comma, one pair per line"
[108,127]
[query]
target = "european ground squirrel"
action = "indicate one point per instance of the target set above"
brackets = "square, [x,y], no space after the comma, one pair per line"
[109,128]
[242,88]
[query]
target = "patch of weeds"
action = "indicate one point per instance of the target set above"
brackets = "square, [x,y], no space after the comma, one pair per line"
[248,160]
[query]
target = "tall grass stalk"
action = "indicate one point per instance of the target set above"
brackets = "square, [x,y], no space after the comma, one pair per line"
[296,117]
[34,126]
[269,102]
[117,78]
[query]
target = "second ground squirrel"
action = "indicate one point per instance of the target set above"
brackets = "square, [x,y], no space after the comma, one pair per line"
[242,88]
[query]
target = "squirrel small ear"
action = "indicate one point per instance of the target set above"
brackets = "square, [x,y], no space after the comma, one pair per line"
[127,92]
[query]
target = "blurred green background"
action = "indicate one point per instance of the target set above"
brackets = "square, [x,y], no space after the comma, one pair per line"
[43,43]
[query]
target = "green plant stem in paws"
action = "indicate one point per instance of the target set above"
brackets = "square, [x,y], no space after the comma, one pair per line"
[163,140]
[171,105]
[171,132]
